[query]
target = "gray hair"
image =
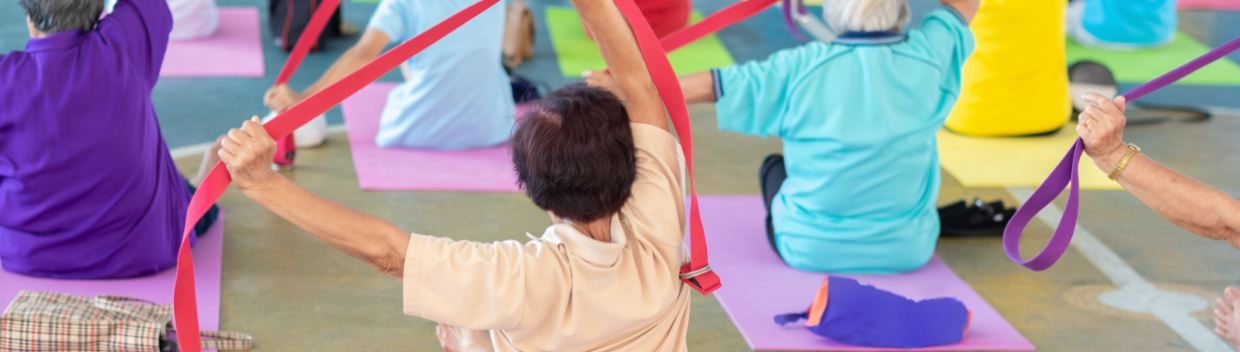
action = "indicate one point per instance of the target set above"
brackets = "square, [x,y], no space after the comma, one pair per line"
[865,15]
[53,16]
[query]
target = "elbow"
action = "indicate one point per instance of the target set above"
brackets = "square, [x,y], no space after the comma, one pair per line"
[389,257]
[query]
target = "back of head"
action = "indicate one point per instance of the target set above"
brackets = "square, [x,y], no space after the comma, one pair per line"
[574,153]
[53,16]
[866,15]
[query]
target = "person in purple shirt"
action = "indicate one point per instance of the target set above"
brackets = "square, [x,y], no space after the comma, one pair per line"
[88,189]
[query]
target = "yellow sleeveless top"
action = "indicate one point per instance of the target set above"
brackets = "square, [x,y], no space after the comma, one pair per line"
[1016,82]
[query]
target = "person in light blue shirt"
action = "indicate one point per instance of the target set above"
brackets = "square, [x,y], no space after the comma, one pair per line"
[1122,24]
[425,112]
[856,189]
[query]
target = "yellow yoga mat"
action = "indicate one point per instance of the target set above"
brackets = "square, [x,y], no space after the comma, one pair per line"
[576,52]
[1014,161]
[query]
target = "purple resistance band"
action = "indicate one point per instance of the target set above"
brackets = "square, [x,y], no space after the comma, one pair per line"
[792,25]
[1067,170]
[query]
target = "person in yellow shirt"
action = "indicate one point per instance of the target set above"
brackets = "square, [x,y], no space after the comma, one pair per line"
[1015,83]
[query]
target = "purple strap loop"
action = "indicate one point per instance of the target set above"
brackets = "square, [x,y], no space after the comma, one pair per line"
[792,25]
[1066,174]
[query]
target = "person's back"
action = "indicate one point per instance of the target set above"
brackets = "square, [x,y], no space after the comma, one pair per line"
[427,110]
[858,119]
[87,186]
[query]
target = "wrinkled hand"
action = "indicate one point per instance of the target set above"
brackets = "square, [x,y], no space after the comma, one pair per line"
[281,97]
[1102,128]
[247,152]
[454,339]
[604,80]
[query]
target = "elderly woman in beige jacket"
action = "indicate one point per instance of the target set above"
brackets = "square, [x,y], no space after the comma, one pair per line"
[1188,203]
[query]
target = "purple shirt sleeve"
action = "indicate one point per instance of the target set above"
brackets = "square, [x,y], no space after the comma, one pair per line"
[141,29]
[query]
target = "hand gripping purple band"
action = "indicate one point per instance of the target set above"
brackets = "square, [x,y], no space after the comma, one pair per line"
[1065,174]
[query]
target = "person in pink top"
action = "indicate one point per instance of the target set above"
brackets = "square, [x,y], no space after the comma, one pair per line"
[603,277]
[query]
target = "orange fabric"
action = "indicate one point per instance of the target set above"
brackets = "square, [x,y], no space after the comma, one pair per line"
[820,303]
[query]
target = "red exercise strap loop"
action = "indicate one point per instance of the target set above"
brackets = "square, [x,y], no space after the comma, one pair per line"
[185,304]
[726,17]
[1066,173]
[669,89]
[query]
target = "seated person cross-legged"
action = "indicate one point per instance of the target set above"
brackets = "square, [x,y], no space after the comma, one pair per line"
[456,95]
[603,276]
[856,190]
[88,189]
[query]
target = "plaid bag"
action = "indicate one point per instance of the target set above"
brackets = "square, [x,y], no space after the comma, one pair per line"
[47,321]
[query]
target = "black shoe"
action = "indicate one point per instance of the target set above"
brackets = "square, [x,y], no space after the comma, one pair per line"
[979,219]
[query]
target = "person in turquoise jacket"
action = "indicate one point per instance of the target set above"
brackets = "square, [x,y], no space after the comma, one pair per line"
[856,189]
[1122,24]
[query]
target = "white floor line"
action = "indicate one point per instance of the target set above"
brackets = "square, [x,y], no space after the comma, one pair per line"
[1135,293]
[198,149]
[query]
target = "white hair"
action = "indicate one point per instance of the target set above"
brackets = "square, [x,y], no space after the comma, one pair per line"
[865,15]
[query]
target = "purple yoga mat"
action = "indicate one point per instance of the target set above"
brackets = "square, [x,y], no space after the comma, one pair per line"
[236,49]
[758,286]
[377,168]
[157,288]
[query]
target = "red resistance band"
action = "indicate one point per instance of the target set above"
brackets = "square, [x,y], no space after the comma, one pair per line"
[697,273]
[703,279]
[185,304]
[286,147]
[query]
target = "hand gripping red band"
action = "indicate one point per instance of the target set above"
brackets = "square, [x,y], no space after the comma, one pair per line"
[702,279]
[185,304]
[1065,174]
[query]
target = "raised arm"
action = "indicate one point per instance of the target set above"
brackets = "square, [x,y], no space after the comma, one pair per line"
[1188,203]
[697,87]
[281,97]
[966,8]
[619,48]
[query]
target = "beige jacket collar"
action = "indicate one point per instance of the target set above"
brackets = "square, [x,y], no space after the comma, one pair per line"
[590,249]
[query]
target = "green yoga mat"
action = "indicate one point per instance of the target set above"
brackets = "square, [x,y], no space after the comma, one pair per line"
[577,53]
[1140,66]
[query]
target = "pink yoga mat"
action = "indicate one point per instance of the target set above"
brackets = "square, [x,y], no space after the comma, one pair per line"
[377,168]
[757,285]
[158,288]
[236,49]
[1221,5]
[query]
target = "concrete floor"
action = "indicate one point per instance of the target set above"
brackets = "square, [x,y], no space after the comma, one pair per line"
[294,293]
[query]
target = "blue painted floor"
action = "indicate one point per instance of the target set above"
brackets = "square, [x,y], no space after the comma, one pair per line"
[196,110]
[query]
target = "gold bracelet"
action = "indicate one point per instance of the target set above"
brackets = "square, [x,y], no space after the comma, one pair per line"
[1123,162]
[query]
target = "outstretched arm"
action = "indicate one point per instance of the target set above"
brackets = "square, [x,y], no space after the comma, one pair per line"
[697,87]
[248,151]
[281,97]
[619,48]
[1188,203]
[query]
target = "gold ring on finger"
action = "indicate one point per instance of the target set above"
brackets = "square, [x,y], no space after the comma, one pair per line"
[1088,121]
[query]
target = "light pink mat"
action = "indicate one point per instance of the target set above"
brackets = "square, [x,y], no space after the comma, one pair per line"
[377,168]
[157,288]
[236,49]
[757,285]
[1222,5]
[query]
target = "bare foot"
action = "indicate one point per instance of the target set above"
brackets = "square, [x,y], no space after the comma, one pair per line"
[209,159]
[455,339]
[1227,317]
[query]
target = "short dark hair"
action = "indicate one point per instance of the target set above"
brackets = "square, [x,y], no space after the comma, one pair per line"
[574,153]
[54,16]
